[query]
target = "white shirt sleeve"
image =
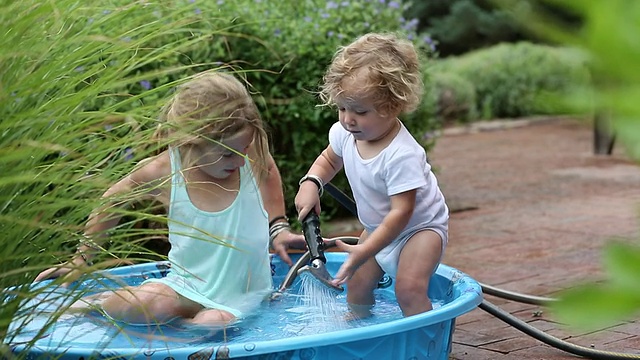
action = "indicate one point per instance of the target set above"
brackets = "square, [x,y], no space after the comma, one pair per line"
[405,171]
[337,138]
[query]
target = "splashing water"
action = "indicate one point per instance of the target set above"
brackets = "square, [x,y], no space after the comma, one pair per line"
[322,303]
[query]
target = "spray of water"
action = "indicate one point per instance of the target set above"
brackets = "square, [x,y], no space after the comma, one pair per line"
[321,304]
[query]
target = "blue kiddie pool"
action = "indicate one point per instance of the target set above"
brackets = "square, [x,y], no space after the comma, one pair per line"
[287,327]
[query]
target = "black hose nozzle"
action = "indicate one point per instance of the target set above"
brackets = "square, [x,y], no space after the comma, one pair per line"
[313,237]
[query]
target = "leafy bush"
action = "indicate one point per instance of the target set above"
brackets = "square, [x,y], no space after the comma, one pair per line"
[286,57]
[455,98]
[510,79]
[460,26]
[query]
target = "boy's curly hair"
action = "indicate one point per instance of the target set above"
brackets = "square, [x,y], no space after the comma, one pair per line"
[393,80]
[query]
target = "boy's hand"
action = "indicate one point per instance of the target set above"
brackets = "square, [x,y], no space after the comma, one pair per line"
[358,255]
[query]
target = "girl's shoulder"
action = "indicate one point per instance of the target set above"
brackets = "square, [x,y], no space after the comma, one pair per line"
[152,169]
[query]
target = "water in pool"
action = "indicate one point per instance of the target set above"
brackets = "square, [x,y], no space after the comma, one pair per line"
[304,309]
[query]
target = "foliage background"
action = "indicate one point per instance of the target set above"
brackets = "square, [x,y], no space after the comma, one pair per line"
[82,83]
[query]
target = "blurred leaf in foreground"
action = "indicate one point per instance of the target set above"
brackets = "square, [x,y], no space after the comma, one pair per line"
[593,306]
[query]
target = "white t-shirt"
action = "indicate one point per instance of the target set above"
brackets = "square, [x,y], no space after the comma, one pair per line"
[400,167]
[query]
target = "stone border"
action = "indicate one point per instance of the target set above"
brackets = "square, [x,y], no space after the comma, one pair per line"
[500,124]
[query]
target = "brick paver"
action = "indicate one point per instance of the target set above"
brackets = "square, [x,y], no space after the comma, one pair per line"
[540,207]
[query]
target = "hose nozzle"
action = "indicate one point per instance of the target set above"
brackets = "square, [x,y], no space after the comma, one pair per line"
[317,268]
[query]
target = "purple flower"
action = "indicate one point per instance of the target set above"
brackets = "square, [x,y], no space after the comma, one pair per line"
[332,5]
[429,41]
[394,5]
[330,33]
[324,15]
[277,32]
[145,84]
[128,154]
[307,18]
[197,11]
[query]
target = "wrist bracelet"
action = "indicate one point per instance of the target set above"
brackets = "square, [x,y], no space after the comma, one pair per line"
[84,256]
[278,218]
[276,229]
[88,242]
[316,180]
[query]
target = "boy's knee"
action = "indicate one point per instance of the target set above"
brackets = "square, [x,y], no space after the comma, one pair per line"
[360,287]
[409,291]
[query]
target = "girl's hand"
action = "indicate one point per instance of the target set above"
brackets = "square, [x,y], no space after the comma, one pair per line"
[286,240]
[358,255]
[70,271]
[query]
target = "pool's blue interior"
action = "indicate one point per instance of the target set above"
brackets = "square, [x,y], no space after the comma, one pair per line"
[281,324]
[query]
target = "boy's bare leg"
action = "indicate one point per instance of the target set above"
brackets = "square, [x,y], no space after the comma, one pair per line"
[418,260]
[360,289]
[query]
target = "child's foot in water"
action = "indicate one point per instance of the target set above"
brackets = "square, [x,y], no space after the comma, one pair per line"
[358,312]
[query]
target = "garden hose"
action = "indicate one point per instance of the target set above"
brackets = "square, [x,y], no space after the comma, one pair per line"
[494,310]
[551,340]
[514,296]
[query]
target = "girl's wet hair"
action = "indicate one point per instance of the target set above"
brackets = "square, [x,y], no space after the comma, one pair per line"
[389,66]
[208,108]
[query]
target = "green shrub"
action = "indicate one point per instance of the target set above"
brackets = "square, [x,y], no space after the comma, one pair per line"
[510,79]
[455,98]
[286,57]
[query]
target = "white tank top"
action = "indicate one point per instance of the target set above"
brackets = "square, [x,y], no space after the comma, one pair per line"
[219,259]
